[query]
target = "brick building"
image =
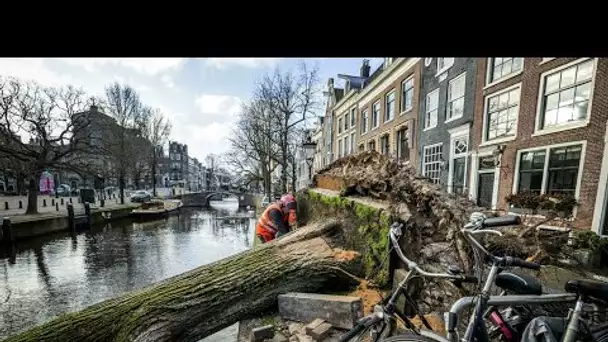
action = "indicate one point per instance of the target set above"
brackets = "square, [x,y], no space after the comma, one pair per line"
[447,103]
[539,126]
[489,127]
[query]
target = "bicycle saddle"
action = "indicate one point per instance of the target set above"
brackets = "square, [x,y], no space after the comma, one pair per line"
[518,283]
[590,288]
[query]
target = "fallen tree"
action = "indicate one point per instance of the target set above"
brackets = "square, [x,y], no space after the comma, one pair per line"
[205,300]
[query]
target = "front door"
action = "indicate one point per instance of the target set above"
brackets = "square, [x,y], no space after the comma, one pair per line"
[458,175]
[485,189]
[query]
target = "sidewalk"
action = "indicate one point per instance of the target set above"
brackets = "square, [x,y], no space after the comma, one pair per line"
[18,215]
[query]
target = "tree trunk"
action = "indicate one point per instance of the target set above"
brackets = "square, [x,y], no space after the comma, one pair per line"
[32,196]
[121,185]
[205,300]
[154,174]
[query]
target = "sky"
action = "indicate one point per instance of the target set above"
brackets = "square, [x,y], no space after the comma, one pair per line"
[201,97]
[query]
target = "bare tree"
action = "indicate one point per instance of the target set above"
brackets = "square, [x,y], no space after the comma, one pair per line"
[290,100]
[124,106]
[156,132]
[253,153]
[51,117]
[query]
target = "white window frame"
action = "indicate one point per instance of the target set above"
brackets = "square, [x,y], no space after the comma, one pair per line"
[601,199]
[364,121]
[474,175]
[373,140]
[427,115]
[448,62]
[388,140]
[386,106]
[424,164]
[486,101]
[490,72]
[403,107]
[353,117]
[539,106]
[462,76]
[346,121]
[340,127]
[455,134]
[374,105]
[547,149]
[353,146]
[346,145]
[340,148]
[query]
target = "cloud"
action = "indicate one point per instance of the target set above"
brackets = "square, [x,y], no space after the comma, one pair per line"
[148,66]
[168,81]
[32,69]
[223,63]
[218,108]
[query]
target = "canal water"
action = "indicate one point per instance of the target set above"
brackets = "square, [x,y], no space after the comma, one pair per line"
[47,276]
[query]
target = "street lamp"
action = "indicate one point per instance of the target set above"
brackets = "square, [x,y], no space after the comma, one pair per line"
[309,151]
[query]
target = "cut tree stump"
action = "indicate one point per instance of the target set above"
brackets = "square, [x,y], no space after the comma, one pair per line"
[207,299]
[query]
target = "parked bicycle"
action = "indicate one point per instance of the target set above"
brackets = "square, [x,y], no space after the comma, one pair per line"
[379,325]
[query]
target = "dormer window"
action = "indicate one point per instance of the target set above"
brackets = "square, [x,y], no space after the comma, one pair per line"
[388,61]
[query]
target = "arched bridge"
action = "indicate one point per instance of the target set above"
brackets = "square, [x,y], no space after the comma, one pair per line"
[201,199]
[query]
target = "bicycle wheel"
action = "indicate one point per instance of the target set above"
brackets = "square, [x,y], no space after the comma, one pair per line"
[408,337]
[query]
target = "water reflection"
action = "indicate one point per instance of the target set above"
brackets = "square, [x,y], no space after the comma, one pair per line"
[44,277]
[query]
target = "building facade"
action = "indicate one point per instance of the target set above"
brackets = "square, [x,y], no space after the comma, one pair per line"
[177,164]
[544,120]
[485,127]
[447,103]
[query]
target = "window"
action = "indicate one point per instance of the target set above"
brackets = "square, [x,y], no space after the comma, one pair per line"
[432,101]
[372,145]
[346,121]
[503,66]
[384,144]
[502,110]
[431,165]
[364,121]
[389,110]
[352,143]
[375,114]
[531,168]
[346,146]
[458,165]
[339,125]
[353,118]
[566,95]
[387,61]
[550,170]
[340,148]
[456,90]
[403,150]
[444,63]
[361,147]
[407,94]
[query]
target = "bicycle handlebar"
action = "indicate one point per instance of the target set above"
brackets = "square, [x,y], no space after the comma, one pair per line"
[395,233]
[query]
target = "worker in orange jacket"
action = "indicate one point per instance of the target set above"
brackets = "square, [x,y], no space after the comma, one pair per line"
[277,219]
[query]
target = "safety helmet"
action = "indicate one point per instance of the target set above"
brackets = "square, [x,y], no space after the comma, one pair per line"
[288,200]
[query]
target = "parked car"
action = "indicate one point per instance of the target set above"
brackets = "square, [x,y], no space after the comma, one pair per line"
[140,196]
[64,190]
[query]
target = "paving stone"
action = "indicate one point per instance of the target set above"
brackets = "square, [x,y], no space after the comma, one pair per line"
[295,328]
[262,333]
[304,338]
[312,325]
[339,311]
[320,332]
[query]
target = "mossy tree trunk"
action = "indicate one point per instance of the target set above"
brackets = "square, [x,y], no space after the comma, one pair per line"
[203,301]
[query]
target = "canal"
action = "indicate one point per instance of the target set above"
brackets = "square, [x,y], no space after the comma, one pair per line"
[47,276]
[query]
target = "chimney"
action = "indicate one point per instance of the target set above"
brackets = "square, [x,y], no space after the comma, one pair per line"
[94,109]
[365,68]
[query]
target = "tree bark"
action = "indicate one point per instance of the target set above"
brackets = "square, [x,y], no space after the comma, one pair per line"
[32,196]
[205,300]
